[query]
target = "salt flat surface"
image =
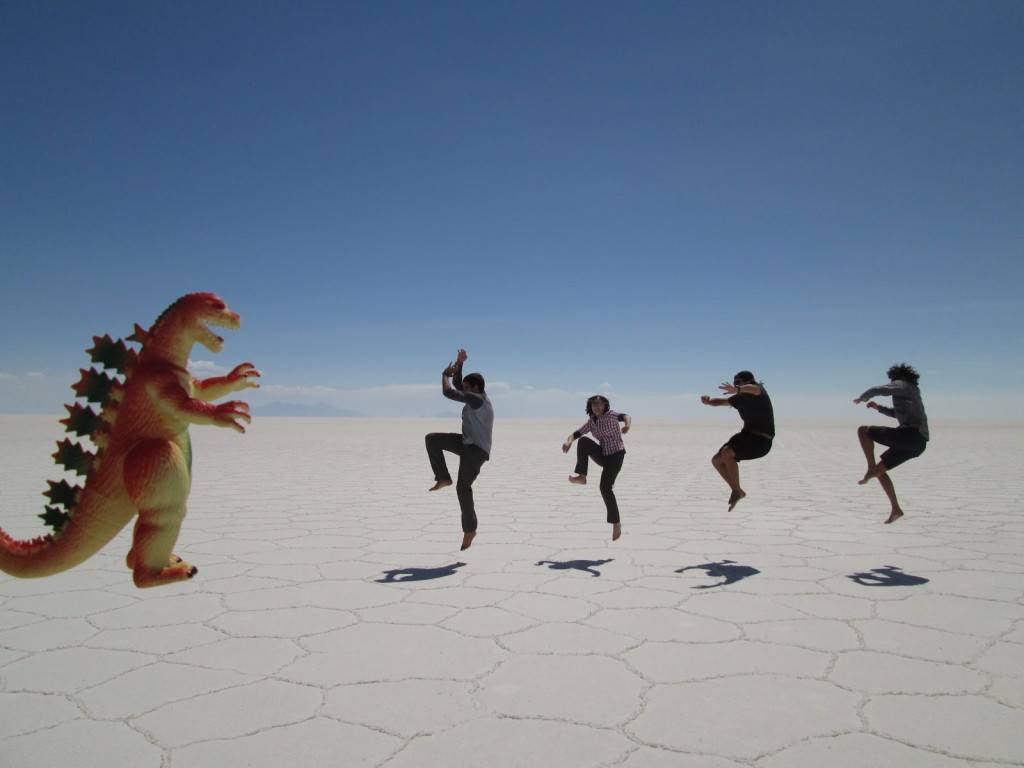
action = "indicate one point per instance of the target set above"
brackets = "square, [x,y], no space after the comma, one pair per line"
[334,621]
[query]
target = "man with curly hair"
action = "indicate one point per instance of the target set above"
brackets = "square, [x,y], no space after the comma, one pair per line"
[907,441]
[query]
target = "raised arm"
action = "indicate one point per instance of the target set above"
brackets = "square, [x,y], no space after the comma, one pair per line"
[882,409]
[884,390]
[455,390]
[714,400]
[241,377]
[168,390]
[740,389]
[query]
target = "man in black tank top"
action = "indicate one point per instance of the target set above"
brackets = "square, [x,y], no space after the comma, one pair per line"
[748,396]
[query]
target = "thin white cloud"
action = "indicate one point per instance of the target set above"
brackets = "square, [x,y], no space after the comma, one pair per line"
[206,368]
[35,374]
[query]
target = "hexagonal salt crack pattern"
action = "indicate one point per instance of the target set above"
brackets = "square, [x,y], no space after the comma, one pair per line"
[664,624]
[146,689]
[588,689]
[509,743]
[567,638]
[646,757]
[882,673]
[287,647]
[84,744]
[743,717]
[680,662]
[69,669]
[371,652]
[311,743]
[27,712]
[406,708]
[971,727]
[857,750]
[231,713]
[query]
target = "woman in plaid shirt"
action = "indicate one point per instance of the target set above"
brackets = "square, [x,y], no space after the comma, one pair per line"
[608,452]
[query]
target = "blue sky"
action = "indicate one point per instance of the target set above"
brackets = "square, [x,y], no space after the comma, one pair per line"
[635,198]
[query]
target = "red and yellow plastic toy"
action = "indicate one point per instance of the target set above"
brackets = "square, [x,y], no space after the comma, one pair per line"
[142,466]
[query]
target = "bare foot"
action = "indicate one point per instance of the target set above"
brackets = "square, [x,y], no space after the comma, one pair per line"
[616,531]
[870,475]
[895,515]
[734,497]
[467,538]
[578,479]
[439,485]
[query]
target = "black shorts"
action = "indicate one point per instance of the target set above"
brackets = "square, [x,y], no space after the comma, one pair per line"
[747,445]
[904,443]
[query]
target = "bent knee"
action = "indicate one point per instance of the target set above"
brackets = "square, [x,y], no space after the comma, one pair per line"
[863,431]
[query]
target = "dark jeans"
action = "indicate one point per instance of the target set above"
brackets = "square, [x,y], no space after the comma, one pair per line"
[587,449]
[471,459]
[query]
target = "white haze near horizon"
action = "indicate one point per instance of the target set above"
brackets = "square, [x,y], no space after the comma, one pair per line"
[46,393]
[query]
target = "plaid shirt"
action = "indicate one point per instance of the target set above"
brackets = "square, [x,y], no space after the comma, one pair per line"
[606,429]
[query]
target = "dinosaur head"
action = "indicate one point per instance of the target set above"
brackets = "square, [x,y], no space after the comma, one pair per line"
[187,321]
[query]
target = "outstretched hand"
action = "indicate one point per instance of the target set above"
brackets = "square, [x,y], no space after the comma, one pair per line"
[449,371]
[231,414]
[461,357]
[728,388]
[705,399]
[566,446]
[873,405]
[857,401]
[243,376]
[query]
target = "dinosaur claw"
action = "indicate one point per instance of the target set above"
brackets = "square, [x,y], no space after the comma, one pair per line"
[192,571]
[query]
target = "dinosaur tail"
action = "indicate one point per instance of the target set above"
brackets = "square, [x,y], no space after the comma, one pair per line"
[91,527]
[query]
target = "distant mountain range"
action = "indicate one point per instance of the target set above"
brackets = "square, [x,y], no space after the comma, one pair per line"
[317,410]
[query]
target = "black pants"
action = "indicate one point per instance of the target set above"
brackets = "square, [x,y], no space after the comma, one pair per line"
[471,459]
[587,449]
[904,443]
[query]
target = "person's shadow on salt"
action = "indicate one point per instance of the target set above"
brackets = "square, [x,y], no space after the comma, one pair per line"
[887,576]
[589,566]
[728,570]
[418,574]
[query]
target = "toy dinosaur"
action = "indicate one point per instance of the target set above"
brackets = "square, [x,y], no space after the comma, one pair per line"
[143,464]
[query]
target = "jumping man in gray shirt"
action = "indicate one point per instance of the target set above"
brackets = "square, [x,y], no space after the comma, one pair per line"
[907,441]
[473,446]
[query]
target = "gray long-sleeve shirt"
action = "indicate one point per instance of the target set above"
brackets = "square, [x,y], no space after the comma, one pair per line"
[477,414]
[907,406]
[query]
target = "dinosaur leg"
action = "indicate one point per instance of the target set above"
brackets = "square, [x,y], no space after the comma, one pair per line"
[157,479]
[155,535]
[130,559]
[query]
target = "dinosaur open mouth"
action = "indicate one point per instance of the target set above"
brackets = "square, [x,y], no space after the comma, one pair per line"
[224,319]
[209,339]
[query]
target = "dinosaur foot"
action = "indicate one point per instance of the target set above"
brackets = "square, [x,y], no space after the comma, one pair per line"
[153,577]
[130,560]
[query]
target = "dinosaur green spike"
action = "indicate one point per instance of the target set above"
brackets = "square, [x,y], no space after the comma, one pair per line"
[73,457]
[94,386]
[111,354]
[81,421]
[55,518]
[62,493]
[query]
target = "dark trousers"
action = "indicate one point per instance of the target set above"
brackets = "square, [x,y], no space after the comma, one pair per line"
[470,461]
[587,449]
